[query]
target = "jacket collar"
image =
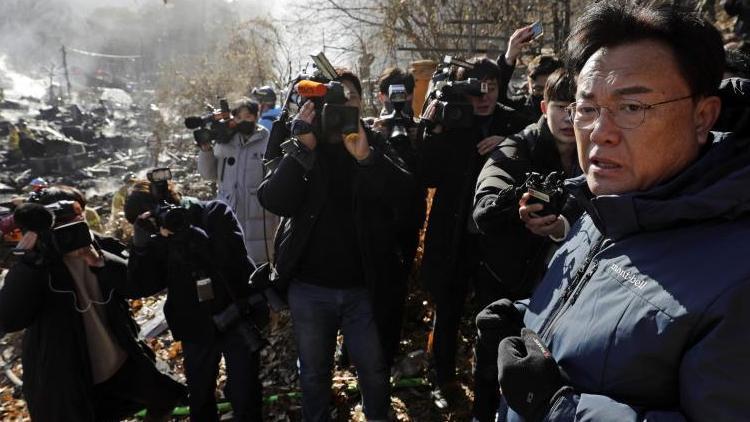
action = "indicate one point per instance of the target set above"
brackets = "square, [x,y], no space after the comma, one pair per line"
[258,135]
[712,187]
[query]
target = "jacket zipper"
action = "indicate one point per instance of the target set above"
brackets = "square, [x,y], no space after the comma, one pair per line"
[573,289]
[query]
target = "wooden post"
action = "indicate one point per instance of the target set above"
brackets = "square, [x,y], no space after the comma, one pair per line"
[422,71]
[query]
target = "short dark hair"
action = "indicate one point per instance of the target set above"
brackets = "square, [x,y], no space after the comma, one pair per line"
[347,75]
[696,44]
[140,199]
[395,76]
[55,193]
[251,106]
[484,68]
[560,86]
[542,66]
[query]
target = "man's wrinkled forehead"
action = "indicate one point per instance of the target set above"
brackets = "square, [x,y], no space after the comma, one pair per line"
[639,68]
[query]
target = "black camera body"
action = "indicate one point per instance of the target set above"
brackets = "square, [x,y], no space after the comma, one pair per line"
[329,98]
[452,108]
[72,236]
[167,215]
[171,217]
[453,111]
[398,122]
[548,191]
[217,126]
[64,210]
[242,317]
[338,118]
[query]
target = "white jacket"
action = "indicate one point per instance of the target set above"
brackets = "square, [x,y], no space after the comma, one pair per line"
[237,168]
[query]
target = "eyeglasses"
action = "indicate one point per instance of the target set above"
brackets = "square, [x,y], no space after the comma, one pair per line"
[626,114]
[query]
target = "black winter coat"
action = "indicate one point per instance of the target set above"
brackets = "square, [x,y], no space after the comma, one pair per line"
[450,162]
[298,194]
[510,253]
[57,382]
[213,248]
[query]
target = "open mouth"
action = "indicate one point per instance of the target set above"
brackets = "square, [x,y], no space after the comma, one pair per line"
[604,164]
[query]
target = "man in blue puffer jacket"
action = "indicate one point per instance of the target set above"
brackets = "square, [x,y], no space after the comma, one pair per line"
[641,315]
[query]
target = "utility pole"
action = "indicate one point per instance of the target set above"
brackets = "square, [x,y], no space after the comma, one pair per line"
[65,68]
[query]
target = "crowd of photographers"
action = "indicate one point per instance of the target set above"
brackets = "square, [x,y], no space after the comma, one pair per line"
[595,221]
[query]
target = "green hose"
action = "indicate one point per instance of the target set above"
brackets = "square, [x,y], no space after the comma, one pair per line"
[351,387]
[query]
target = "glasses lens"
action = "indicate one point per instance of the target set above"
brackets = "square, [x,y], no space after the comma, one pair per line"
[583,114]
[627,114]
[630,114]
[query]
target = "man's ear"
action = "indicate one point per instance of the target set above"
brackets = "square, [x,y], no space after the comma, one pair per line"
[381,97]
[705,115]
[543,106]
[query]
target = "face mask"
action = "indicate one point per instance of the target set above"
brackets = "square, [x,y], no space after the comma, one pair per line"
[245,127]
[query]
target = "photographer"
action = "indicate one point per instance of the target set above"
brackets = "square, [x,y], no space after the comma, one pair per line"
[336,195]
[514,252]
[396,124]
[195,250]
[81,357]
[266,97]
[450,161]
[237,168]
[537,72]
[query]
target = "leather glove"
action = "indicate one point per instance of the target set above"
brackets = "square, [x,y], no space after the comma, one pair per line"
[528,375]
[494,213]
[495,322]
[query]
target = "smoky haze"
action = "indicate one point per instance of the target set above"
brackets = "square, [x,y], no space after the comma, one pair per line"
[33,32]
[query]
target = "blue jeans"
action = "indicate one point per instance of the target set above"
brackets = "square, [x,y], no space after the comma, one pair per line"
[317,314]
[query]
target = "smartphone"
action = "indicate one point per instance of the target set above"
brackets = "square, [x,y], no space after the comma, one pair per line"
[537,30]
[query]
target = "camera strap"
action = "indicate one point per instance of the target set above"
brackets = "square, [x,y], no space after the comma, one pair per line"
[215,271]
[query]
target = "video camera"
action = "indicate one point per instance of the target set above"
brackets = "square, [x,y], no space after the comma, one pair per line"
[247,316]
[66,237]
[453,110]
[397,122]
[217,125]
[168,215]
[548,191]
[329,97]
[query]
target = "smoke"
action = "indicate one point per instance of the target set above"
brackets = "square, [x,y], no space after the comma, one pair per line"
[153,30]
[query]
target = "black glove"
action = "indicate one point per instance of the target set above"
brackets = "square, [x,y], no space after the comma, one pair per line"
[493,213]
[528,375]
[33,217]
[142,231]
[497,321]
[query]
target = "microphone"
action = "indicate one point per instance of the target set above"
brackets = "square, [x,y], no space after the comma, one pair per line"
[193,122]
[309,89]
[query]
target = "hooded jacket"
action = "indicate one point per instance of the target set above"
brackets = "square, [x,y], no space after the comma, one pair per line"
[296,189]
[513,256]
[237,168]
[644,307]
[57,378]
[449,162]
[212,247]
